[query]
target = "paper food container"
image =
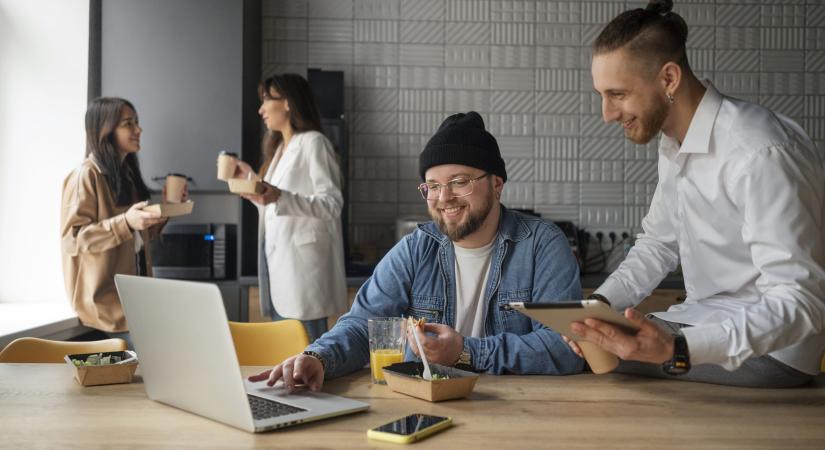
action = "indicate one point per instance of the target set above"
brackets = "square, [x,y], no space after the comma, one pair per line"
[171,209]
[106,374]
[244,186]
[405,377]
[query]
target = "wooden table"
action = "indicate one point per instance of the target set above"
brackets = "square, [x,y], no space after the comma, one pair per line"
[42,406]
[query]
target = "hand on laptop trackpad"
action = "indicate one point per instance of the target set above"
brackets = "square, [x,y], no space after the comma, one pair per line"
[279,388]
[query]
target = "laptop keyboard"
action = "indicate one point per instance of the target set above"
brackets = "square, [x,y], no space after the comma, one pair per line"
[263,408]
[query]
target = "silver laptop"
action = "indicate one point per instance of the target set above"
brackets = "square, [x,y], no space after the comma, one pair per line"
[187,359]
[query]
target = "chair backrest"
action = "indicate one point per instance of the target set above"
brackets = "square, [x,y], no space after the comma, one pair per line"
[268,343]
[36,350]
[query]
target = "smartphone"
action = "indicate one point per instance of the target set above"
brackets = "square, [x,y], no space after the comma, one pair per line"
[410,429]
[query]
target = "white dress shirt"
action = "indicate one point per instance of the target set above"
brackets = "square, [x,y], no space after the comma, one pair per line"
[740,205]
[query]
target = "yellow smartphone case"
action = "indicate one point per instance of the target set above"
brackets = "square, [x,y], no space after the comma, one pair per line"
[408,438]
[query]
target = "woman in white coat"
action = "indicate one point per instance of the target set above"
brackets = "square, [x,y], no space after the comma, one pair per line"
[300,246]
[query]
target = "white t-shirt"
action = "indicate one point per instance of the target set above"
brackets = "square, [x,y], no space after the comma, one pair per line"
[472,266]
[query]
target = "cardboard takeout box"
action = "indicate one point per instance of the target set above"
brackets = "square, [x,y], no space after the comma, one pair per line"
[105,374]
[405,377]
[244,186]
[171,209]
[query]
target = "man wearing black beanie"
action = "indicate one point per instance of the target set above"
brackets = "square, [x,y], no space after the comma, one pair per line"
[455,272]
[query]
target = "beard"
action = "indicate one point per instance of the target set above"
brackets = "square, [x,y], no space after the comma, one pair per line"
[474,221]
[649,125]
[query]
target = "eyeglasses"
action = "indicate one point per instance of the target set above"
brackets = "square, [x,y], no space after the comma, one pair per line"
[458,187]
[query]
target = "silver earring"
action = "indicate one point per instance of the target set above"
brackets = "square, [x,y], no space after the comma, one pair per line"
[670,98]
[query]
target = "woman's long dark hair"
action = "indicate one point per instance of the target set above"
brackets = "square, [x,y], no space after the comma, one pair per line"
[124,178]
[303,112]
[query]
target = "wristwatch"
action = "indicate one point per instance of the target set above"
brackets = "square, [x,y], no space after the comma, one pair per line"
[465,359]
[599,297]
[680,363]
[318,357]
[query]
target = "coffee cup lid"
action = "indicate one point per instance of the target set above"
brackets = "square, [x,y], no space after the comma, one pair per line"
[224,152]
[174,174]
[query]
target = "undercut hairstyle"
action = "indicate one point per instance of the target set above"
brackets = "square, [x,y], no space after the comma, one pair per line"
[122,174]
[653,34]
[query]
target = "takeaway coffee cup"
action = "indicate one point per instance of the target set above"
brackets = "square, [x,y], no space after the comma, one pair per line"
[226,165]
[600,360]
[175,184]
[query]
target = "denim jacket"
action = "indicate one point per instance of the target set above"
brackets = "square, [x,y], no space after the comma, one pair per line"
[531,262]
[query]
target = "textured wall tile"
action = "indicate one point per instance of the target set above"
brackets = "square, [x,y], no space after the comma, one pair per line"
[556,193]
[560,57]
[467,79]
[640,172]
[325,53]
[417,209]
[375,122]
[467,56]
[738,38]
[558,12]
[601,13]
[376,99]
[422,9]
[589,33]
[557,148]
[374,168]
[601,216]
[568,213]
[421,55]
[377,9]
[590,103]
[783,15]
[602,148]
[516,146]
[513,56]
[371,237]
[412,145]
[467,33]
[420,100]
[737,15]
[512,33]
[376,31]
[633,217]
[512,101]
[419,32]
[510,124]
[463,101]
[601,193]
[512,10]
[512,79]
[372,53]
[815,83]
[557,80]
[787,83]
[815,38]
[374,213]
[557,125]
[557,170]
[815,15]
[696,15]
[601,171]
[554,34]
[418,123]
[702,37]
[375,145]
[517,194]
[286,51]
[374,191]
[641,152]
[737,83]
[595,126]
[422,77]
[815,61]
[737,60]
[783,38]
[702,59]
[558,102]
[468,10]
[269,68]
[330,30]
[815,107]
[638,193]
[331,9]
[783,61]
[791,106]
[519,170]
[284,29]
[280,8]
[375,76]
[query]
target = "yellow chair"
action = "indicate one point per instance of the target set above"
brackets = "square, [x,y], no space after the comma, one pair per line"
[36,350]
[268,343]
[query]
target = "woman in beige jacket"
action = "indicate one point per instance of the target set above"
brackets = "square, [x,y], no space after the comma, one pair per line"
[103,228]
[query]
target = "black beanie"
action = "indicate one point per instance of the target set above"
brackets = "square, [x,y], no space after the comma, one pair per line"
[462,139]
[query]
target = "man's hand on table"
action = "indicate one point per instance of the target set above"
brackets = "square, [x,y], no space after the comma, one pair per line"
[299,369]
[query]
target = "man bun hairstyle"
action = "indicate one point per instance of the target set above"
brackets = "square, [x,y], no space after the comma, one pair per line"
[654,33]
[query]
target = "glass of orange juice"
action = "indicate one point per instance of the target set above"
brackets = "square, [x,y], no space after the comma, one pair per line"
[387,338]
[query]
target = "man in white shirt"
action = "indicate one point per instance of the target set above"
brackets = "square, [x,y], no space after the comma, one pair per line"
[739,204]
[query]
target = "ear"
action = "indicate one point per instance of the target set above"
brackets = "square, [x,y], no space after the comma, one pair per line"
[498,185]
[286,105]
[670,77]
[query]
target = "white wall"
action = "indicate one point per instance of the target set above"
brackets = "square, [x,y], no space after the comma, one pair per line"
[43,78]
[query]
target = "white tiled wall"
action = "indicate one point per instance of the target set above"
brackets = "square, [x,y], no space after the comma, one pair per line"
[525,66]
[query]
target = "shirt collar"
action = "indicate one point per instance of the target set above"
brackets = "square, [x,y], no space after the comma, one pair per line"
[697,138]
